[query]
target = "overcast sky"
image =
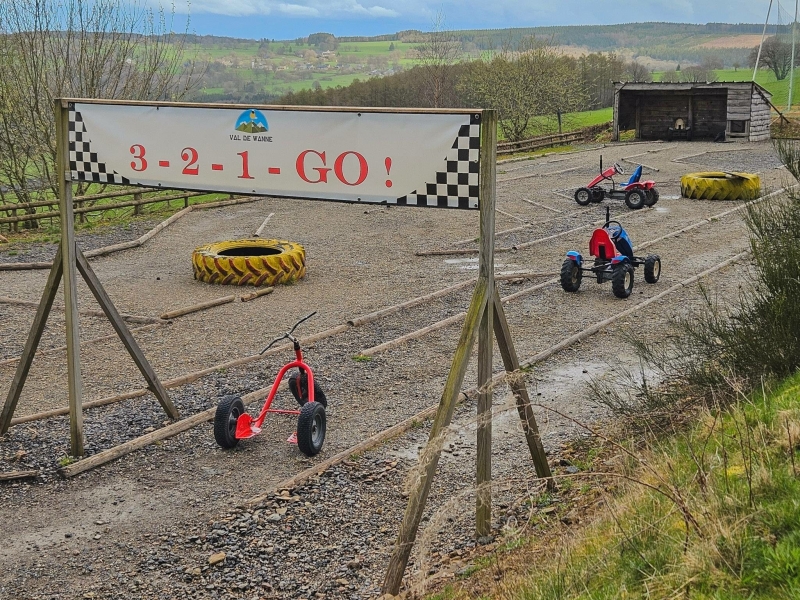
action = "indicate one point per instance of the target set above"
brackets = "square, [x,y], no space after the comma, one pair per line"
[276,19]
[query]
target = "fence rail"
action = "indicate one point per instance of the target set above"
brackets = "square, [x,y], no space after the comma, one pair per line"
[140,198]
[554,139]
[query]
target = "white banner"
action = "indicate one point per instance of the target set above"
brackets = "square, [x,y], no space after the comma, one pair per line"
[421,159]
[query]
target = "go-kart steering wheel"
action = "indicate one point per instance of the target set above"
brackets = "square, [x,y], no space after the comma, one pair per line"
[614,231]
[619,169]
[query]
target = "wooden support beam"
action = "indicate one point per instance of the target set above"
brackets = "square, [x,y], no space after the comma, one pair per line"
[483,294]
[488,192]
[35,335]
[529,427]
[153,384]
[429,457]
[69,265]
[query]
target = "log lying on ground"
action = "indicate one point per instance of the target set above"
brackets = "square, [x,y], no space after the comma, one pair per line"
[163,433]
[16,475]
[84,311]
[198,307]
[258,294]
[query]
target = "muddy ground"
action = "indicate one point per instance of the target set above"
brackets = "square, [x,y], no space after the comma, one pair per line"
[150,524]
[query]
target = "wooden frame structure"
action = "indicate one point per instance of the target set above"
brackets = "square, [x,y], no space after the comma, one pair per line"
[485,321]
[484,316]
[68,262]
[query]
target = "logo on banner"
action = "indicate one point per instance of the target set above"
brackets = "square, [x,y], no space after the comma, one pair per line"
[252,121]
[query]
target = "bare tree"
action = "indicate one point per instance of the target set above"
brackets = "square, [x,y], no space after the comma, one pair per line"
[440,50]
[113,49]
[529,81]
[636,72]
[776,55]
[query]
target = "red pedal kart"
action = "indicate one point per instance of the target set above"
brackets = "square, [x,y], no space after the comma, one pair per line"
[613,261]
[232,423]
[636,194]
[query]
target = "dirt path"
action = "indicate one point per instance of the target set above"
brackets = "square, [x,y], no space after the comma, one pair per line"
[146,525]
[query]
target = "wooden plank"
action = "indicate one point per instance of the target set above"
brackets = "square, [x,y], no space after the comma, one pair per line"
[488,195]
[69,264]
[154,385]
[339,109]
[516,382]
[32,343]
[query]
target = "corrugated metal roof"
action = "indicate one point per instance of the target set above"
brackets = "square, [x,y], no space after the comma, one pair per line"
[658,85]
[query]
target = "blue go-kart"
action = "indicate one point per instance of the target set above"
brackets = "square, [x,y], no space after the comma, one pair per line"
[613,261]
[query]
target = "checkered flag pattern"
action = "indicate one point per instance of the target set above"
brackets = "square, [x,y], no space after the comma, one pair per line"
[83,163]
[457,186]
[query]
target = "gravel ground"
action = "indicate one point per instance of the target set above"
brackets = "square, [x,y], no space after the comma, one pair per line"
[150,524]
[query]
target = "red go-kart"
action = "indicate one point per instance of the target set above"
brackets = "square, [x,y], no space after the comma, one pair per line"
[636,194]
[232,423]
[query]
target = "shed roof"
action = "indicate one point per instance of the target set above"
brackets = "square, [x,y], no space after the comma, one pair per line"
[717,85]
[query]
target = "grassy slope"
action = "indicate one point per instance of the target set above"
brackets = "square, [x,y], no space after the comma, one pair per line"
[737,475]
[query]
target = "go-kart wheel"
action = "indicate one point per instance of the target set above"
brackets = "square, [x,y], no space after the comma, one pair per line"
[311,428]
[583,196]
[635,199]
[652,197]
[571,275]
[228,411]
[652,268]
[622,281]
[598,194]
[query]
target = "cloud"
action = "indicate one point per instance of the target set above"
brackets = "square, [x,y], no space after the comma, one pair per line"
[477,14]
[302,8]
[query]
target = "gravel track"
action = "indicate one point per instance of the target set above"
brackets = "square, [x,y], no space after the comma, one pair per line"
[146,525]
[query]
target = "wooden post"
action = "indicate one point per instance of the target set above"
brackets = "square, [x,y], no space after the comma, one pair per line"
[68,257]
[483,497]
[35,335]
[429,457]
[137,208]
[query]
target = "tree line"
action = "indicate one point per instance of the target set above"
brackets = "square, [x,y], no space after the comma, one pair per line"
[522,81]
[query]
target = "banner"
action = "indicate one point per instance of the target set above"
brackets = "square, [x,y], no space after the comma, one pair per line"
[418,159]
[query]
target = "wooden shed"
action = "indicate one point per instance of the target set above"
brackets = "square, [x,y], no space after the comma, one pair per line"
[664,111]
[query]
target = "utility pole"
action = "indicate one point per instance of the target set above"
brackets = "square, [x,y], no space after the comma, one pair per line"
[791,73]
[763,34]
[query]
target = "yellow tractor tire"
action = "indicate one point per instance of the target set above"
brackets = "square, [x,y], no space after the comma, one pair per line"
[249,262]
[720,186]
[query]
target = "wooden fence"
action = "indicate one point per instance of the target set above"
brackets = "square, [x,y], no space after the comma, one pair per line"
[17,213]
[555,139]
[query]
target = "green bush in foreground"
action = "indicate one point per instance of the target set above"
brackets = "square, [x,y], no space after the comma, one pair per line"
[716,515]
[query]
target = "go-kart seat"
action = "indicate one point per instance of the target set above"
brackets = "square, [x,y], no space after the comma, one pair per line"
[635,176]
[601,246]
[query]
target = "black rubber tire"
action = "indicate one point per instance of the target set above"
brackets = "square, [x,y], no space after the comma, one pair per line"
[598,194]
[652,268]
[652,197]
[301,394]
[311,428]
[583,196]
[571,275]
[228,411]
[622,281]
[635,199]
